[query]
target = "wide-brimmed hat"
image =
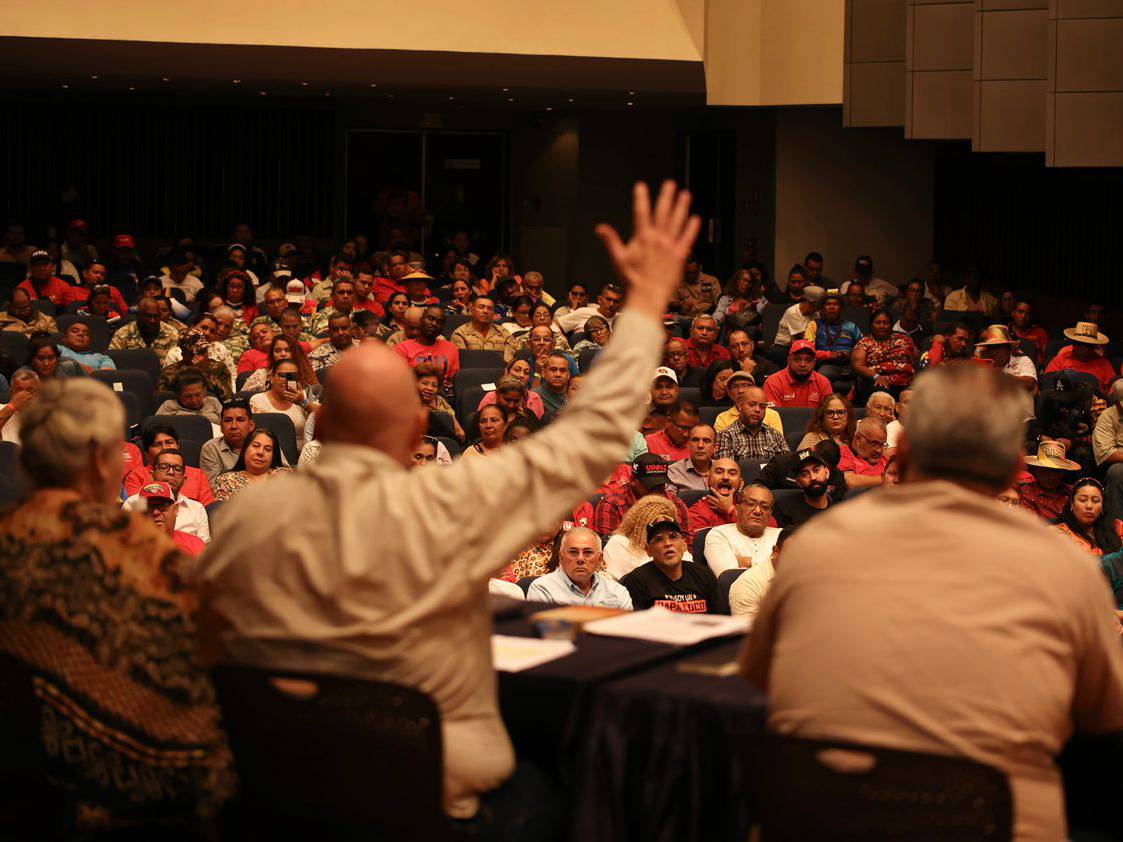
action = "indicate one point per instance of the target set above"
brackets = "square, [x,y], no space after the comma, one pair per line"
[996,335]
[1051,454]
[1085,333]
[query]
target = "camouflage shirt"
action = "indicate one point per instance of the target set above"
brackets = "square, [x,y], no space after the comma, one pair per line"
[129,337]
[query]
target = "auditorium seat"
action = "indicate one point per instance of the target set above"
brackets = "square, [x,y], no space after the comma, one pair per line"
[481,359]
[282,427]
[130,380]
[690,496]
[140,359]
[14,344]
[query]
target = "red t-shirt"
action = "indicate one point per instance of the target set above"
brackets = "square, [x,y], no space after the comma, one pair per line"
[443,353]
[130,459]
[195,485]
[696,360]
[372,306]
[253,359]
[56,289]
[852,463]
[383,288]
[702,514]
[660,445]
[1099,367]
[190,544]
[80,293]
[781,390]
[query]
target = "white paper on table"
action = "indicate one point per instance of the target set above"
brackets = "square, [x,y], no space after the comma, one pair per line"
[662,626]
[515,654]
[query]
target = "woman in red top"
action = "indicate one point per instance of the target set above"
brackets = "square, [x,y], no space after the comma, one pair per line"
[1083,519]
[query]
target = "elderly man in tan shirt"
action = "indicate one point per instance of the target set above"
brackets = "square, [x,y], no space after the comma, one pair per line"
[970,630]
[380,571]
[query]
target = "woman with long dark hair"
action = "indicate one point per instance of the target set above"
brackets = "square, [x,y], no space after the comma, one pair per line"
[1083,519]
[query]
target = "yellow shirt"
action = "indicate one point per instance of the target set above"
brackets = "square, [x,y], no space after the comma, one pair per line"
[732,415]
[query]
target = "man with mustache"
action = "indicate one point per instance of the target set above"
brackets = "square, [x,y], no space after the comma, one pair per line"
[798,385]
[748,541]
[669,582]
[812,475]
[718,507]
[576,581]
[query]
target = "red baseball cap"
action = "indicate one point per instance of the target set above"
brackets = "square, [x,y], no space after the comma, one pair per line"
[802,345]
[157,491]
[79,225]
[124,241]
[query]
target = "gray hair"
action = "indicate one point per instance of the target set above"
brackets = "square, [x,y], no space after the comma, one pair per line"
[870,421]
[576,531]
[24,373]
[967,423]
[1116,393]
[883,396]
[533,274]
[222,311]
[58,427]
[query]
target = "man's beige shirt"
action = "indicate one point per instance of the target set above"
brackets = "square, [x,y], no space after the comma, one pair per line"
[354,564]
[1107,437]
[971,631]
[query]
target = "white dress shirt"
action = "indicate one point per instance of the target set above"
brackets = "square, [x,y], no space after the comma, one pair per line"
[191,516]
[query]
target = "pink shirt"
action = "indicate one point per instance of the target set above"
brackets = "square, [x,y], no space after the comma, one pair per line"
[533,403]
[852,463]
[443,353]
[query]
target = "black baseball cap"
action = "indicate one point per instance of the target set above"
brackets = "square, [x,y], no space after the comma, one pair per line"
[651,470]
[39,256]
[864,263]
[661,526]
[804,457]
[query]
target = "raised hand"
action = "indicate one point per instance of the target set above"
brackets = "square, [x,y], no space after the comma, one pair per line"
[651,263]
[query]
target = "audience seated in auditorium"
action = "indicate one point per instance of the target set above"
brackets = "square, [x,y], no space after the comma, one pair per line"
[672,441]
[259,461]
[675,356]
[798,384]
[1022,326]
[1046,492]
[833,419]
[179,277]
[863,461]
[885,359]
[834,338]
[146,332]
[221,453]
[749,437]
[342,302]
[698,293]
[1084,521]
[747,592]
[667,581]
[340,339]
[21,316]
[812,474]
[155,439]
[45,359]
[93,278]
[41,282]
[718,506]
[492,422]
[609,302]
[191,398]
[747,541]
[195,352]
[576,297]
[649,476]
[257,355]
[691,472]
[287,397]
[170,469]
[1001,351]
[742,352]
[702,348]
[1038,630]
[76,346]
[738,385]
[792,294]
[71,563]
[24,387]
[555,379]
[481,333]
[953,348]
[1107,445]
[597,333]
[577,581]
[741,299]
[796,318]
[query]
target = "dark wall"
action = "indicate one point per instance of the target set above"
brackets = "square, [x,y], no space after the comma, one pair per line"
[1054,232]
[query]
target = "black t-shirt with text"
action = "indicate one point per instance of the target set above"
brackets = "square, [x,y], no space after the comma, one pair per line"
[696,592]
[794,511]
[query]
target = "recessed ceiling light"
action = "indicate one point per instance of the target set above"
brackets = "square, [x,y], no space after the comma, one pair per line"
[263,93]
[304,84]
[237,81]
[65,87]
[571,99]
[374,84]
[506,89]
[631,103]
[510,99]
[131,88]
[94,77]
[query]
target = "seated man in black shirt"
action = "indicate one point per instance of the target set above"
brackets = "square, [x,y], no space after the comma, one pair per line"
[812,475]
[667,580]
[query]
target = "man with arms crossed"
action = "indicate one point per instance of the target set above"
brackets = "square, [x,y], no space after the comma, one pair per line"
[407,602]
[965,628]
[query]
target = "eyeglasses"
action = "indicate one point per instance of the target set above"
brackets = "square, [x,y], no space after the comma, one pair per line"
[171,469]
[876,445]
[574,552]
[834,413]
[753,505]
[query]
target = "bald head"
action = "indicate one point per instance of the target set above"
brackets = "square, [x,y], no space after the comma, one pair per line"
[1117,391]
[372,401]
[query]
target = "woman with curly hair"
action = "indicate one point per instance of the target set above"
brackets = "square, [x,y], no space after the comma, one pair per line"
[627,546]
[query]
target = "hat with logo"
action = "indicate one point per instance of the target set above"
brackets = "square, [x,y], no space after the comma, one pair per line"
[39,256]
[157,491]
[78,225]
[664,371]
[294,292]
[124,241]
[807,456]
[863,264]
[650,470]
[1051,454]
[285,249]
[658,527]
[801,345]
[996,335]
[1085,333]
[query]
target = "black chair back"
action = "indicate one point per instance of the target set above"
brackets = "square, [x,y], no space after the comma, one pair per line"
[131,403]
[14,344]
[795,419]
[492,360]
[826,789]
[11,469]
[332,757]
[451,445]
[690,394]
[130,380]
[725,582]
[285,431]
[138,359]
[525,583]
[455,320]
[770,321]
[750,470]
[193,427]
[467,401]
[585,359]
[698,547]
[690,496]
[440,425]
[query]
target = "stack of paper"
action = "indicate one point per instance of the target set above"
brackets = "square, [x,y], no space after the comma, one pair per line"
[662,626]
[515,654]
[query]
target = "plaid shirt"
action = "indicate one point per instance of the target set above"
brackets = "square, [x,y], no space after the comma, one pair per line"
[611,510]
[737,442]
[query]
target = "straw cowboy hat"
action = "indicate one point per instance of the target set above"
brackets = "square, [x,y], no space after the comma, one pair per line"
[1051,454]
[1085,333]
[997,335]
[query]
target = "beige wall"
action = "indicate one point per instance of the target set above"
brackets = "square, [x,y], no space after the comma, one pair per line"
[774,52]
[848,191]
[651,29]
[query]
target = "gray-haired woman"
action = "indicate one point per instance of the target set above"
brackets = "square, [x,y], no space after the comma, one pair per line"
[92,602]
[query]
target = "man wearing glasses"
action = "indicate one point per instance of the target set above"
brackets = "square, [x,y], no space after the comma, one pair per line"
[667,580]
[864,464]
[190,516]
[576,581]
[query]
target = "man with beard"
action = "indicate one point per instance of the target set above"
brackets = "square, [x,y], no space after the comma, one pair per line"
[864,463]
[812,475]
[718,507]
[667,580]
[749,437]
[691,473]
[671,442]
[798,385]
[748,540]
[576,581]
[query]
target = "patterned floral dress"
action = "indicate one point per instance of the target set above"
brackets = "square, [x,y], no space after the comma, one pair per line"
[93,602]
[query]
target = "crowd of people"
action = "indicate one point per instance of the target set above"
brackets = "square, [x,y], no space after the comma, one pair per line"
[768,405]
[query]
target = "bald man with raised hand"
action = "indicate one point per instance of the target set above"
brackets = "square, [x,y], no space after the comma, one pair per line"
[402,598]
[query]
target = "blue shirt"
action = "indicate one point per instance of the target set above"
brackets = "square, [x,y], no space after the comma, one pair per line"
[559,589]
[93,360]
[840,337]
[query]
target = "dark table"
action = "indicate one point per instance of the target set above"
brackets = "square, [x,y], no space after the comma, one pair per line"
[646,750]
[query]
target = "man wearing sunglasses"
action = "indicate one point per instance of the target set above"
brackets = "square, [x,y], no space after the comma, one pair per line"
[864,463]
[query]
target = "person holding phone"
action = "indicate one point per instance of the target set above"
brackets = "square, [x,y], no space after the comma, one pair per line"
[286,396]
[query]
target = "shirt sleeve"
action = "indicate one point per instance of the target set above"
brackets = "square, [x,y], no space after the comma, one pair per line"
[537,593]
[772,392]
[1104,436]
[719,552]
